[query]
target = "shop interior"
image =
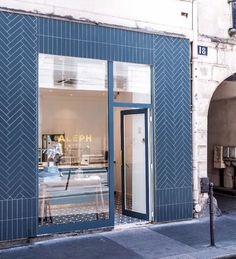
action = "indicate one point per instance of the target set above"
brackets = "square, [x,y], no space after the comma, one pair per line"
[73,143]
[134,189]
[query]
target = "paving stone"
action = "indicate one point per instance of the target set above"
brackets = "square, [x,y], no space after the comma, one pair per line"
[149,244]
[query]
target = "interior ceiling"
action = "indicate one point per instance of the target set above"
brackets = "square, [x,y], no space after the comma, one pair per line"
[72,93]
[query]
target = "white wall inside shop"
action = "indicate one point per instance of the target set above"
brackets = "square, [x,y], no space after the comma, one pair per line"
[134,159]
[83,120]
[138,164]
[173,16]
[87,116]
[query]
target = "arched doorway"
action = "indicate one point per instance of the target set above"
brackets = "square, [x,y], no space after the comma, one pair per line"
[222,144]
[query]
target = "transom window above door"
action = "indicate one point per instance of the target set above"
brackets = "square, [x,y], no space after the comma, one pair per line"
[132,83]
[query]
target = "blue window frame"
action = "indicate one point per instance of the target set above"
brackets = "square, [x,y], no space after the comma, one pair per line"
[106,222]
[129,211]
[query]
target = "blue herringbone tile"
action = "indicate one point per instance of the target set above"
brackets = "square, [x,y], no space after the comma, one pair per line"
[172,122]
[18,114]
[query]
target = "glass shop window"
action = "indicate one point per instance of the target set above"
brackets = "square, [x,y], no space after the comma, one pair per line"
[132,83]
[73,140]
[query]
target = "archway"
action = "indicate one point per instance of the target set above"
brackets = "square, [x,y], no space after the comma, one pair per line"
[222,144]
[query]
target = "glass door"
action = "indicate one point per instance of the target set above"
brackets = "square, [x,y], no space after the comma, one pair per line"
[134,148]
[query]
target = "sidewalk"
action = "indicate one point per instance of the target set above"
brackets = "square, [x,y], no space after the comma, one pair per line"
[189,239]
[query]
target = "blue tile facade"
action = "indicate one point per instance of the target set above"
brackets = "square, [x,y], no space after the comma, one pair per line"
[18,126]
[90,41]
[172,129]
[22,38]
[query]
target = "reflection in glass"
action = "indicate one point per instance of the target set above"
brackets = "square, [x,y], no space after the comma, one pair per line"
[132,83]
[73,145]
[71,73]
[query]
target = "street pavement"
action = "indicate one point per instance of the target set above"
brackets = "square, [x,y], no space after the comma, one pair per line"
[187,239]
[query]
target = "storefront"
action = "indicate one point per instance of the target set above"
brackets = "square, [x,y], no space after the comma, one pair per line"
[93,118]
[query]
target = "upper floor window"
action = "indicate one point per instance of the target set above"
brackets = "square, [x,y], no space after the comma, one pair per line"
[234,14]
